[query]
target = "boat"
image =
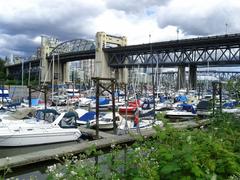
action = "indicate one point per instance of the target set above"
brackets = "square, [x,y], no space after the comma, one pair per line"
[4,95]
[204,108]
[86,118]
[183,111]
[48,126]
[130,109]
[106,121]
[84,102]
[71,92]
[126,125]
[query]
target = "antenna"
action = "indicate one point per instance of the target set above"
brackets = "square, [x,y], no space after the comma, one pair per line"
[226,28]
[177,33]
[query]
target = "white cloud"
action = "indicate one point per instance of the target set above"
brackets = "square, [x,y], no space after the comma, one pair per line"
[22,22]
[199,17]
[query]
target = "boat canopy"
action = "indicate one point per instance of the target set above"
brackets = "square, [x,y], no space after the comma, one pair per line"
[231,104]
[187,107]
[53,111]
[181,98]
[88,116]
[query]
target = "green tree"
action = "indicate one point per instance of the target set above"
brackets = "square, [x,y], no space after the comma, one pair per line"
[2,69]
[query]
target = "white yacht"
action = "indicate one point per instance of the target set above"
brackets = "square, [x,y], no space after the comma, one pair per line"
[46,127]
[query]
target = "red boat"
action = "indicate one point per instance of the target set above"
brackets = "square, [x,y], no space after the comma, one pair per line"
[130,109]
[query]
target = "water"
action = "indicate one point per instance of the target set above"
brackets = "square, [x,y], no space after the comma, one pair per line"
[35,171]
[38,170]
[13,151]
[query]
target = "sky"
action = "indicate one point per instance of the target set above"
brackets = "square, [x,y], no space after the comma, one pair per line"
[23,22]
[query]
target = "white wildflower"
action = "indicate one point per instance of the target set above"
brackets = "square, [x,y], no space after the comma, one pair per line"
[59,175]
[73,173]
[112,146]
[137,149]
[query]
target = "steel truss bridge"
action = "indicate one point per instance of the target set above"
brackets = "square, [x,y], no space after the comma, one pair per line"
[215,50]
[220,75]
[74,50]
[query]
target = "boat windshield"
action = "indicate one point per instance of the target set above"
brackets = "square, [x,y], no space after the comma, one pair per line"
[69,120]
[46,115]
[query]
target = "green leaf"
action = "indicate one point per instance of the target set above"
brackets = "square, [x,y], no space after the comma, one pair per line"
[196,171]
[169,168]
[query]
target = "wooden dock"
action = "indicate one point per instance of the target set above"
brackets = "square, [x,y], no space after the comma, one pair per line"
[105,141]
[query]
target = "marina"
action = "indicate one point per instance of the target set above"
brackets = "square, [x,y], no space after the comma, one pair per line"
[101,94]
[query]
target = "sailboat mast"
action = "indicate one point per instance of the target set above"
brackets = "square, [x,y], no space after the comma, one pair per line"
[53,77]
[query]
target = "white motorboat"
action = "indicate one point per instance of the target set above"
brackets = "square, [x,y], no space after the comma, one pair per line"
[183,111]
[84,102]
[35,131]
[176,114]
[106,121]
[86,118]
[126,125]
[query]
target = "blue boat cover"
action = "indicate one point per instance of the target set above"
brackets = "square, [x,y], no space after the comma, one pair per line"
[181,98]
[231,104]
[188,108]
[88,116]
[3,94]
[103,101]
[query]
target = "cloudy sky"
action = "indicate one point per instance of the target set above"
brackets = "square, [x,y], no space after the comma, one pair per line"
[22,22]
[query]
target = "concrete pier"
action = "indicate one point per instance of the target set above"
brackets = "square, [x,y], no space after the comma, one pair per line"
[181,79]
[192,79]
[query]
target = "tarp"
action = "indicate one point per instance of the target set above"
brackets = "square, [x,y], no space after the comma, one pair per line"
[53,111]
[231,104]
[35,102]
[162,99]
[187,107]
[88,116]
[4,93]
[181,98]
[204,105]
[103,101]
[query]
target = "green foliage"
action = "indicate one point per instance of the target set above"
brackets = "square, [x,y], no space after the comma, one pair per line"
[210,153]
[2,70]
[233,86]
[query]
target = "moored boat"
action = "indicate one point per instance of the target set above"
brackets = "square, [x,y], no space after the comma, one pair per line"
[45,128]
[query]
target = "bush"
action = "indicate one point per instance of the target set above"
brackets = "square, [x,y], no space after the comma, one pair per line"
[213,152]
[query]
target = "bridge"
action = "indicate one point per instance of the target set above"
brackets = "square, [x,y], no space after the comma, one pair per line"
[116,60]
[215,50]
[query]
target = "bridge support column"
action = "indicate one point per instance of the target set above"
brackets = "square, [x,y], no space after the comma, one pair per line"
[181,79]
[122,75]
[102,69]
[65,72]
[44,74]
[47,44]
[192,77]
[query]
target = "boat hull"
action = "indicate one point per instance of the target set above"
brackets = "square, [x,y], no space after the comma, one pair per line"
[19,138]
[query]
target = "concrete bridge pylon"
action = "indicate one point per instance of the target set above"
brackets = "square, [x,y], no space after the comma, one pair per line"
[49,69]
[102,69]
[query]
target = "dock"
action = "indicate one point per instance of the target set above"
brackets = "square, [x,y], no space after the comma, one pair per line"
[105,141]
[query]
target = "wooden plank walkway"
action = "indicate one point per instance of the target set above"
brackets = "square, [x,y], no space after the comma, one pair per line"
[105,141]
[50,154]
